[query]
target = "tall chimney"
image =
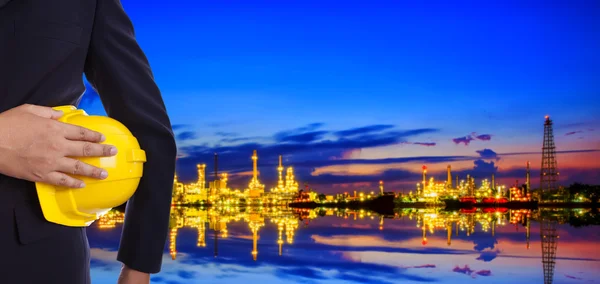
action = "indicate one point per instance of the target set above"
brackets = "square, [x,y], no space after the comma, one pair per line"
[528,182]
[449,182]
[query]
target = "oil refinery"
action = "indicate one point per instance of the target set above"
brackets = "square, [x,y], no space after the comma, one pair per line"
[218,191]
[428,191]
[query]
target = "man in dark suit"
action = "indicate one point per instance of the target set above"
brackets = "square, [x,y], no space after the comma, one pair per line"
[45,47]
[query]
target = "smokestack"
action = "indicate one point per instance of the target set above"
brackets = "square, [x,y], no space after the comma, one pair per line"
[424,175]
[449,182]
[457,184]
[493,182]
[528,182]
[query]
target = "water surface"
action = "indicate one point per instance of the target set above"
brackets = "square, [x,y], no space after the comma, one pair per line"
[281,245]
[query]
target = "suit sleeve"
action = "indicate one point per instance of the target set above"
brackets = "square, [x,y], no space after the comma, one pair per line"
[119,70]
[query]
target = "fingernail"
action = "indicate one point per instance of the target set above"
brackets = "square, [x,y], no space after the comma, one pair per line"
[102,137]
[82,185]
[113,150]
[103,174]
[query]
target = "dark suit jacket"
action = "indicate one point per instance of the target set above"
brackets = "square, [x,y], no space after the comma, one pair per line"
[45,48]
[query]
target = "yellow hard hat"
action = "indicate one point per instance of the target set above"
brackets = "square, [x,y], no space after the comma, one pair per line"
[80,207]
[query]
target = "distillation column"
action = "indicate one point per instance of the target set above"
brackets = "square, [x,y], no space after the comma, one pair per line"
[255,167]
[201,176]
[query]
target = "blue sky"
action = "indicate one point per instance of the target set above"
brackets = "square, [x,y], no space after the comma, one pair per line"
[243,75]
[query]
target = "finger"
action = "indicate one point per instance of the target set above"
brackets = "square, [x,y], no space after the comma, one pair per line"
[89,149]
[62,179]
[43,111]
[76,132]
[77,167]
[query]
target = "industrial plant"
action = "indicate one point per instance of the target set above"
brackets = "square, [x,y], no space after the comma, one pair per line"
[428,191]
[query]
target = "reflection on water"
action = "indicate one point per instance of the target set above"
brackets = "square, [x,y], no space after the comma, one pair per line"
[355,246]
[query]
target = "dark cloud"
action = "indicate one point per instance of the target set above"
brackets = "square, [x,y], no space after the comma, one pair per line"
[365,278]
[186,274]
[463,270]
[308,128]
[234,140]
[573,277]
[311,127]
[484,272]
[306,137]
[485,243]
[484,137]
[468,271]
[483,168]
[364,130]
[97,263]
[226,134]
[489,255]
[306,272]
[427,144]
[304,148]
[179,126]
[219,124]
[467,139]
[486,247]
[186,135]
[423,266]
[488,154]
[573,132]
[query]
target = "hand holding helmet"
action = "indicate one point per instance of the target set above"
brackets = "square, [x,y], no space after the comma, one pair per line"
[37,143]
[81,207]
[35,146]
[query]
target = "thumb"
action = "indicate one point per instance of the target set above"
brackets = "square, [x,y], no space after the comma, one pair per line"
[43,111]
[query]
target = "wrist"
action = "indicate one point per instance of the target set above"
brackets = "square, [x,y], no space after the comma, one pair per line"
[131,271]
